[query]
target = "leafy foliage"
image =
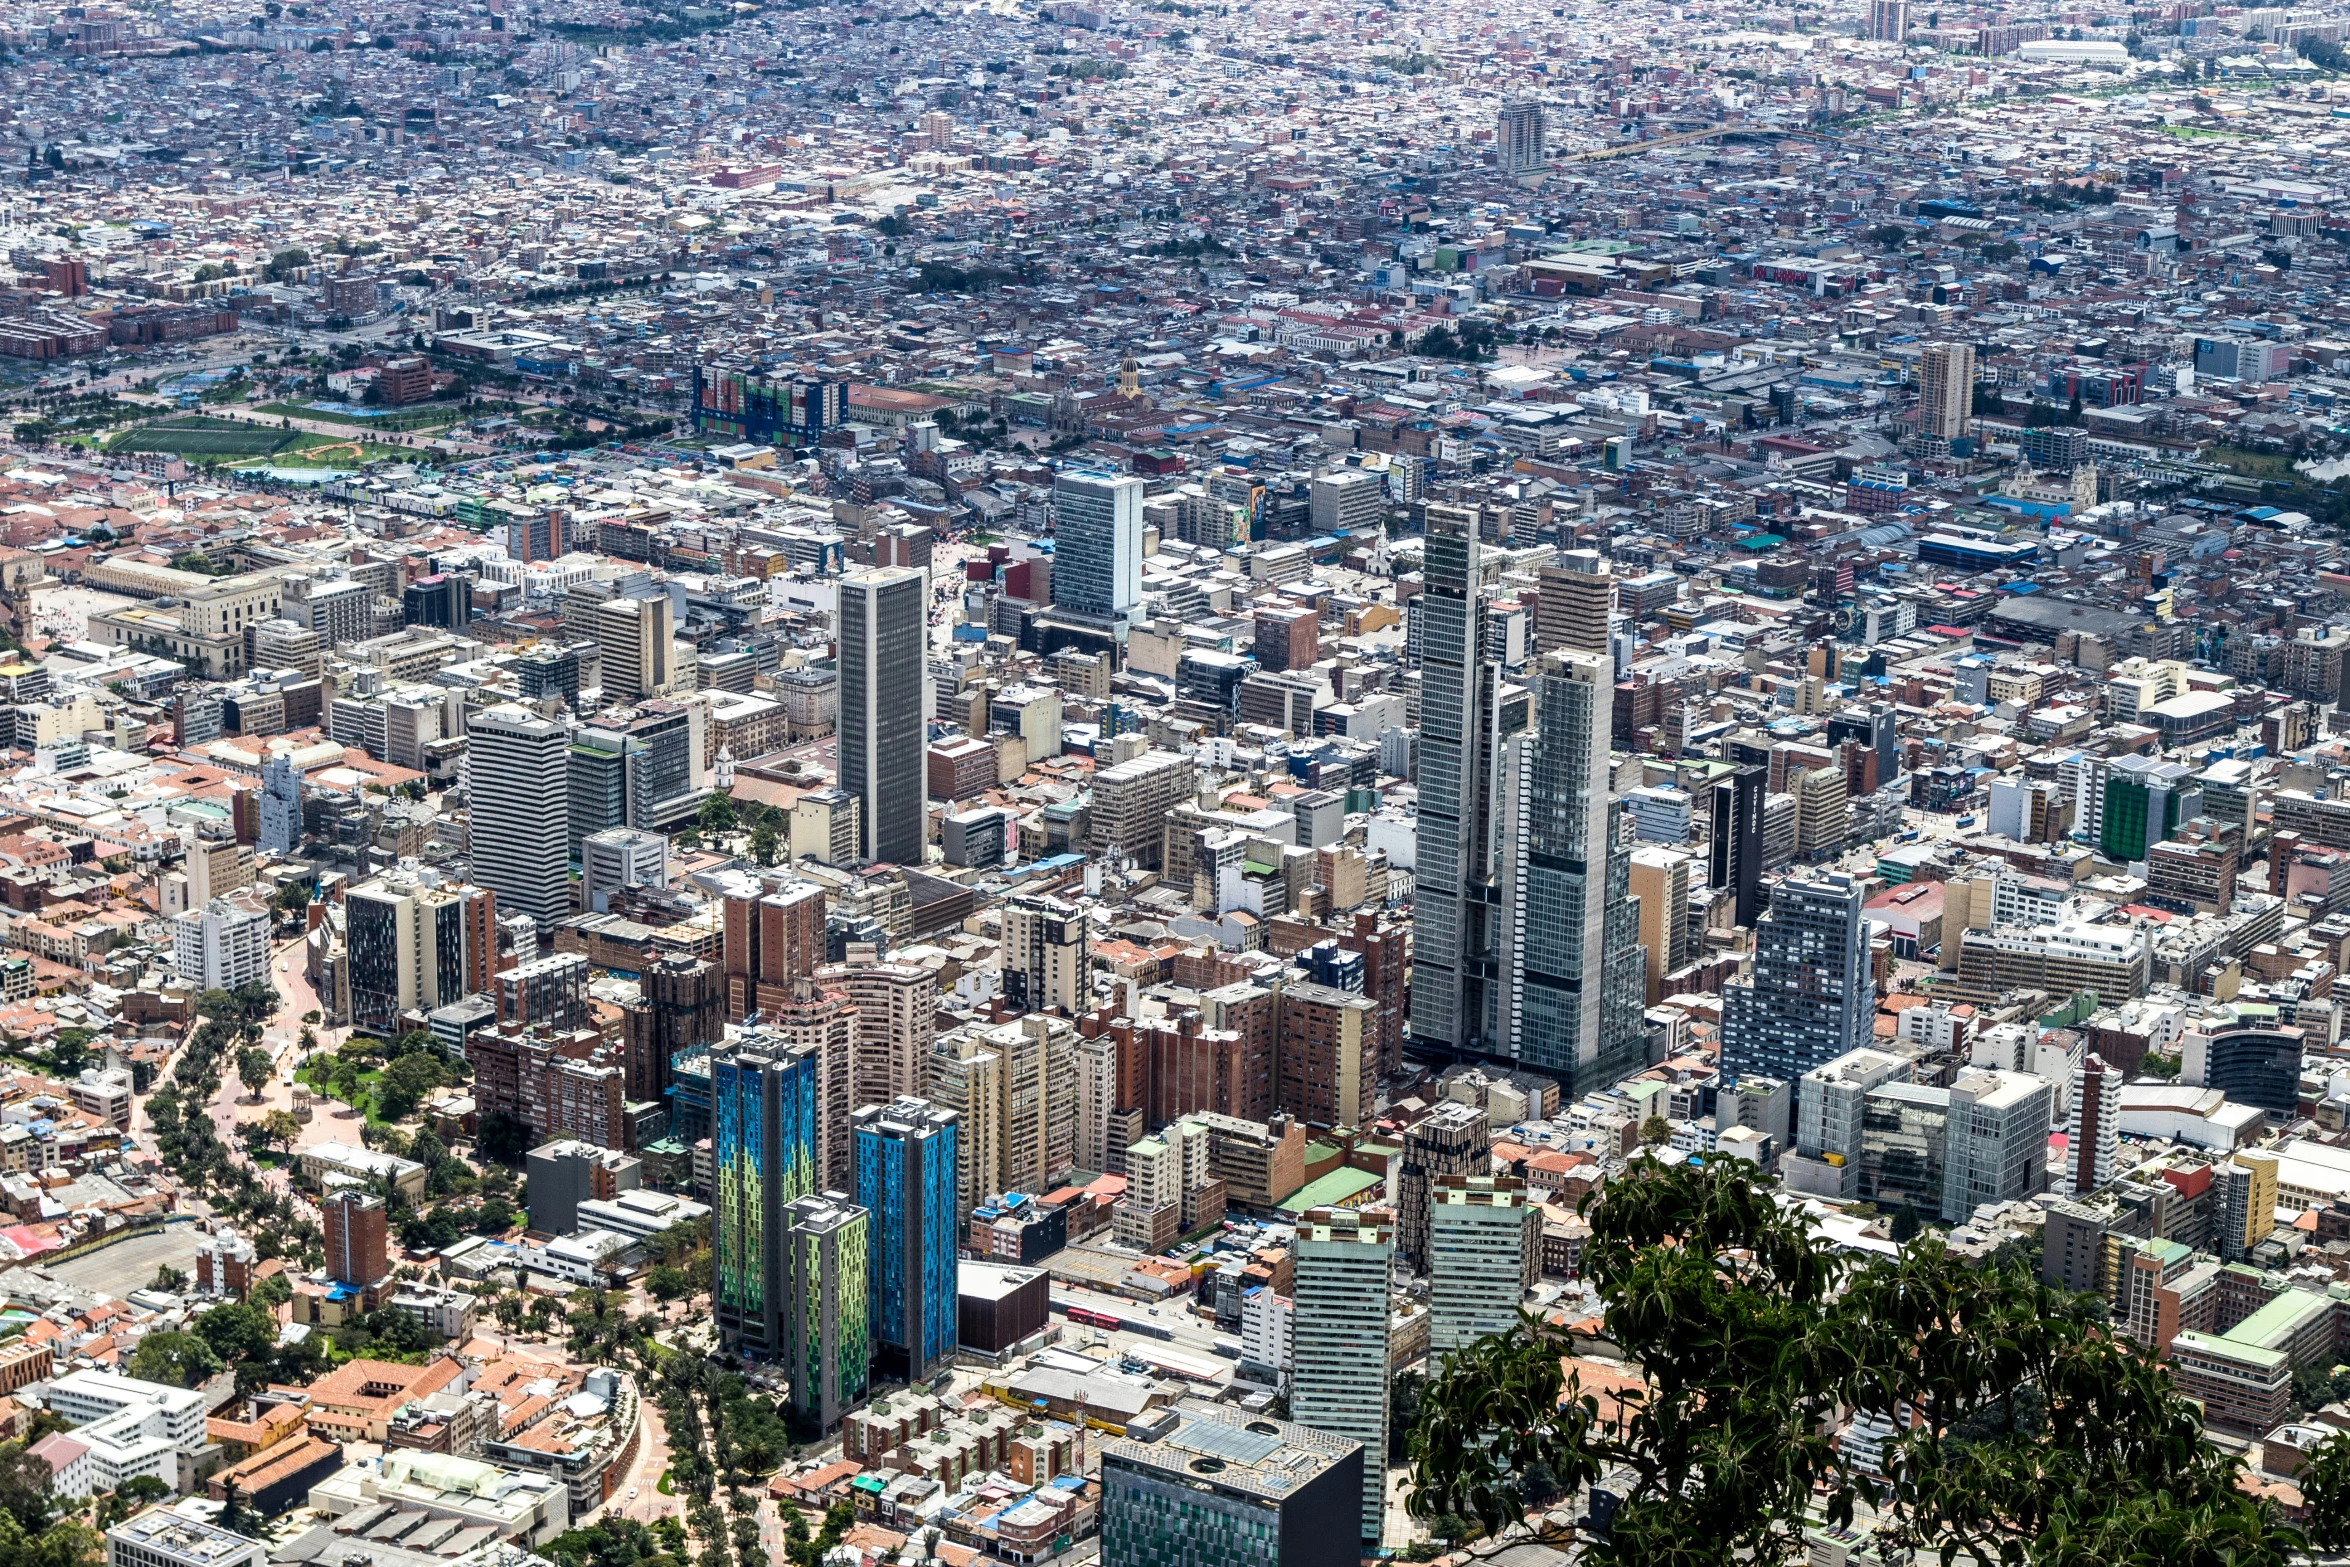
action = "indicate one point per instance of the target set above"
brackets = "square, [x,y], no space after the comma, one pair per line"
[2038,1438]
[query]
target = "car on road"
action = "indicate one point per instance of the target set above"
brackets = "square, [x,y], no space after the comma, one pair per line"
[632,1493]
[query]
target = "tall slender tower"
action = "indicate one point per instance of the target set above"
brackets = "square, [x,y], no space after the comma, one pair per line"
[1811,997]
[906,1180]
[763,1103]
[1470,719]
[825,1263]
[1338,1367]
[883,705]
[517,780]
[1946,389]
[1097,544]
[1582,972]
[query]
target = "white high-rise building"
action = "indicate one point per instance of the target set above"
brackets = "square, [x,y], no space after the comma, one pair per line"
[1338,1361]
[1097,544]
[281,806]
[1267,1329]
[1478,1247]
[517,783]
[222,945]
[1946,389]
[1521,136]
[620,857]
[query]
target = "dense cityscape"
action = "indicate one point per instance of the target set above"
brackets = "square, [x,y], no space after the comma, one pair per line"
[1173,784]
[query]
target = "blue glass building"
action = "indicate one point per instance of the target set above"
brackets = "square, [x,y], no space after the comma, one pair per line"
[763,1106]
[905,1160]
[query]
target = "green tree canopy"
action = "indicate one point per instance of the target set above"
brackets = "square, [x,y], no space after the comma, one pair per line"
[2040,1440]
[179,1359]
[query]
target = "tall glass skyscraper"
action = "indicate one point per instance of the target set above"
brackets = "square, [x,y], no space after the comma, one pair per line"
[905,1159]
[1097,544]
[1469,717]
[884,618]
[516,783]
[1811,997]
[1338,1379]
[1582,981]
[763,1108]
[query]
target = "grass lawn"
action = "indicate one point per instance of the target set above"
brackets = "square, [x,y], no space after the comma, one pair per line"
[2274,466]
[198,439]
[401,419]
[662,1485]
[316,1077]
[327,451]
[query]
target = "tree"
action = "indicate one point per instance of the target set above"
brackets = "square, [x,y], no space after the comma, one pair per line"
[1754,1336]
[1655,1132]
[253,1068]
[280,1127]
[666,1283]
[716,814]
[2325,1486]
[235,1517]
[237,1332]
[179,1359]
[501,1137]
[405,1083]
[765,841]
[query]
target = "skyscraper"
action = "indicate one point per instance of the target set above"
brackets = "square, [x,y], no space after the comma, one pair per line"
[1469,718]
[1946,390]
[883,618]
[634,637]
[1481,1235]
[827,1356]
[1521,137]
[1452,1139]
[281,806]
[353,1223]
[1046,943]
[906,1179]
[763,1150]
[1736,849]
[1888,20]
[516,781]
[1582,973]
[2093,1125]
[1810,998]
[1577,600]
[1097,544]
[1338,1371]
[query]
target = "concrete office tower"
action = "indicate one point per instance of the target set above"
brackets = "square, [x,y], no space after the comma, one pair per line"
[883,704]
[356,1250]
[1810,998]
[633,638]
[1452,1139]
[897,1018]
[1660,881]
[1338,1364]
[770,941]
[967,1077]
[1047,952]
[1577,597]
[1582,973]
[763,1104]
[826,1356]
[617,858]
[281,806]
[1997,1149]
[824,1022]
[1207,1485]
[1888,20]
[2245,1189]
[1521,136]
[1735,850]
[906,1180]
[1946,390]
[1097,544]
[1469,721]
[413,947]
[1483,1241]
[2092,1125]
[516,783]
[224,944]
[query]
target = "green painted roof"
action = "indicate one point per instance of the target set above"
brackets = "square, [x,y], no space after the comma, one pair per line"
[2228,1349]
[1334,1190]
[2279,1318]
